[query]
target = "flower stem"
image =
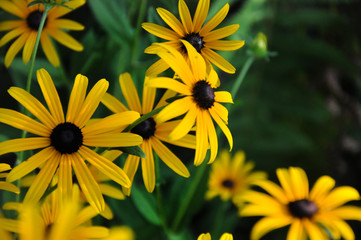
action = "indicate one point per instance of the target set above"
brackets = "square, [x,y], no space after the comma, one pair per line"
[143,118]
[242,74]
[141,13]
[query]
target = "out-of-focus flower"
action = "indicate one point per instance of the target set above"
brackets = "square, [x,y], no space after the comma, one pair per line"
[6,185]
[120,233]
[26,29]
[230,178]
[318,214]
[152,130]
[66,141]
[198,100]
[207,236]
[202,37]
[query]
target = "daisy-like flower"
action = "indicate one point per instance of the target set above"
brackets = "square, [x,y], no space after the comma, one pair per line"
[318,214]
[6,185]
[54,219]
[207,236]
[152,130]
[199,101]
[230,178]
[66,142]
[26,29]
[203,38]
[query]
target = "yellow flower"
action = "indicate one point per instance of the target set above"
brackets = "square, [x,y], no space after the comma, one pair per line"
[202,37]
[152,130]
[207,236]
[318,214]
[26,29]
[54,219]
[66,141]
[120,233]
[230,178]
[6,185]
[199,101]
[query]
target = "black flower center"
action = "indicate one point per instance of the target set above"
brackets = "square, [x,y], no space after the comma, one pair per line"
[66,138]
[195,40]
[145,129]
[302,208]
[228,183]
[33,20]
[203,94]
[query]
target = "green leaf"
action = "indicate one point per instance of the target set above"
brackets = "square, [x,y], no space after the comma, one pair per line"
[145,205]
[135,150]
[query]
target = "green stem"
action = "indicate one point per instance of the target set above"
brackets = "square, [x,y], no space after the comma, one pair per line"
[142,118]
[159,197]
[141,13]
[242,74]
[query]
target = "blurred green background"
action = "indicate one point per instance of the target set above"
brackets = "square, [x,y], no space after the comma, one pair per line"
[301,107]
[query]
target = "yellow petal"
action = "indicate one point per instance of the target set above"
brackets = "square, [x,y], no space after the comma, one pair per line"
[267,224]
[202,140]
[169,83]
[49,50]
[221,33]
[212,136]
[285,181]
[65,39]
[172,21]
[130,92]
[59,11]
[157,68]
[175,109]
[185,125]
[321,188]
[77,97]
[22,144]
[197,62]
[160,31]
[12,8]
[113,104]
[15,48]
[29,46]
[339,196]
[223,96]
[113,140]
[130,168]
[11,24]
[148,97]
[185,16]
[215,21]
[65,176]
[218,60]
[9,187]
[224,45]
[223,127]
[67,24]
[111,191]
[148,167]
[200,15]
[12,34]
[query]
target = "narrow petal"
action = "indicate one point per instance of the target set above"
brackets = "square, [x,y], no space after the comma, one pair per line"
[157,68]
[215,21]
[321,188]
[185,16]
[33,106]
[12,34]
[223,97]
[15,48]
[65,39]
[172,21]
[223,127]
[113,104]
[224,45]
[42,180]
[185,125]
[197,62]
[47,154]
[91,102]
[159,31]
[171,160]
[163,100]
[4,167]
[200,15]
[67,24]
[23,144]
[23,122]
[188,141]
[11,7]
[345,229]
[11,24]
[130,92]
[213,79]
[221,33]
[111,191]
[96,232]
[175,109]
[296,231]
[339,196]
[105,166]
[65,176]
[284,178]
[61,11]
[169,83]
[77,97]
[347,213]
[218,60]
[50,95]
[299,183]
[130,168]
[110,123]
[87,183]
[9,187]
[148,97]
[29,46]
[202,140]
[148,167]
[314,231]
[275,190]
[221,111]
[212,136]
[49,50]
[267,224]
[113,140]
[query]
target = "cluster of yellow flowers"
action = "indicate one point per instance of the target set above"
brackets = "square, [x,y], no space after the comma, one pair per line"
[74,152]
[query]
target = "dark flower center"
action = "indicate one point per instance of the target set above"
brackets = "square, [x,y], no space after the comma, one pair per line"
[203,94]
[66,138]
[195,40]
[228,183]
[145,129]
[302,208]
[34,19]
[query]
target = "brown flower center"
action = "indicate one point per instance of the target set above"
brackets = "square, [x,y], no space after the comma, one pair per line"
[33,20]
[228,183]
[195,40]
[203,94]
[66,138]
[146,129]
[302,208]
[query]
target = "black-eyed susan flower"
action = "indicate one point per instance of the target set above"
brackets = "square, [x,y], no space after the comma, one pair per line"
[54,219]
[202,36]
[6,185]
[207,236]
[66,142]
[231,177]
[199,101]
[26,29]
[318,214]
[153,131]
